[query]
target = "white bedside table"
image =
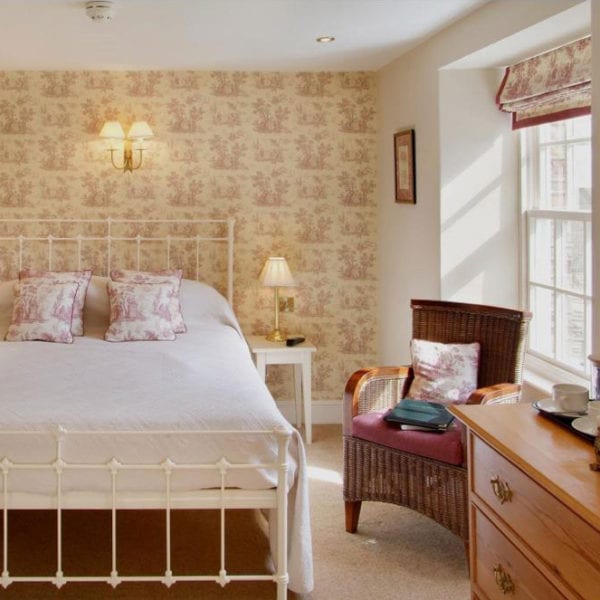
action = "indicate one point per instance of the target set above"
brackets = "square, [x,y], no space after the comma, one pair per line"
[277,353]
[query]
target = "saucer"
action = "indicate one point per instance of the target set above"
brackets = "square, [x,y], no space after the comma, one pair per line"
[548,405]
[585,425]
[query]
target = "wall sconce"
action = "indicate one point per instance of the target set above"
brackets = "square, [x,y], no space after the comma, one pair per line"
[276,274]
[139,132]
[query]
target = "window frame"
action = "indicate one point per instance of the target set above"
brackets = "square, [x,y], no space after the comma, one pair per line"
[546,366]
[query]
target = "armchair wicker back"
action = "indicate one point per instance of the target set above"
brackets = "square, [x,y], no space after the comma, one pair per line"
[434,488]
[500,331]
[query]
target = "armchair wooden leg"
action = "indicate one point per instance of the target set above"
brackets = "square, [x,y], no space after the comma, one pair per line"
[352,514]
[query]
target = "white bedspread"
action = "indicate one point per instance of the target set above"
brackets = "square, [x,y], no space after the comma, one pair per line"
[205,380]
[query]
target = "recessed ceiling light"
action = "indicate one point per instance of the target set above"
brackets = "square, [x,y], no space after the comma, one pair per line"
[325,39]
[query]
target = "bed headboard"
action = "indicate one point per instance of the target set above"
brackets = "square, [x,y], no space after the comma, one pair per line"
[203,248]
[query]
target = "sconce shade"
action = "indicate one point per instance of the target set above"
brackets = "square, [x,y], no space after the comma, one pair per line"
[140,130]
[112,130]
[276,273]
[134,142]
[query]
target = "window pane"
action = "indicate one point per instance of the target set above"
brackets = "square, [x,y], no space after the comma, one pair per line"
[581,127]
[588,260]
[559,131]
[553,177]
[580,176]
[588,336]
[541,304]
[558,245]
[571,271]
[552,132]
[571,344]
[541,251]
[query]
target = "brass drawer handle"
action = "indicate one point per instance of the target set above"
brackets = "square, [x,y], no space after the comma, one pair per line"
[503,580]
[501,489]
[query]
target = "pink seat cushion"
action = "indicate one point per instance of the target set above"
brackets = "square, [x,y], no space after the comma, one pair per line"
[446,447]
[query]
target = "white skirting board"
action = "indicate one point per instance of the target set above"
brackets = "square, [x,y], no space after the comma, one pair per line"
[323,411]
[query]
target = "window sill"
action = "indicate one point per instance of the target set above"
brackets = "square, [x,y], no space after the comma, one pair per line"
[541,375]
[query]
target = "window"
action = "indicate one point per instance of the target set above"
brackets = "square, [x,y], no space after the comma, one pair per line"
[557,185]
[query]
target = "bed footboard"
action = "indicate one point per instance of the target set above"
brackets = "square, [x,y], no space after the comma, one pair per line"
[221,498]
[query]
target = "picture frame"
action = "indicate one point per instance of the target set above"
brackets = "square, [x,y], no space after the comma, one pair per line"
[404,167]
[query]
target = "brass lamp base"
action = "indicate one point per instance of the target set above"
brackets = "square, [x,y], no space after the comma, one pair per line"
[276,336]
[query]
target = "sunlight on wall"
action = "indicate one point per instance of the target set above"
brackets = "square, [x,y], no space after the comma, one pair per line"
[478,230]
[471,219]
[473,184]
[473,288]
[479,184]
[471,212]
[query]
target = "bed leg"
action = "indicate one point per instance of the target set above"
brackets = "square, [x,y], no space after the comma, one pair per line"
[282,590]
[283,438]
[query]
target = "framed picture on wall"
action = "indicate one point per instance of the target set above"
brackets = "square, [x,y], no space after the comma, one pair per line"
[404,166]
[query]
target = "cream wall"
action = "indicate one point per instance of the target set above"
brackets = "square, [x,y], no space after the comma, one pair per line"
[290,156]
[410,237]
[479,186]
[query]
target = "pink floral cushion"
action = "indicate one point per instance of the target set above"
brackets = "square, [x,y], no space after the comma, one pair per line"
[172,277]
[443,372]
[42,311]
[80,277]
[139,311]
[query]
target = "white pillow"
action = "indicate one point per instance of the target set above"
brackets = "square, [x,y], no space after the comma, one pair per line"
[444,373]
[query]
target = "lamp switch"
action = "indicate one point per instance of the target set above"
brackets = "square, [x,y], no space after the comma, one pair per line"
[286,304]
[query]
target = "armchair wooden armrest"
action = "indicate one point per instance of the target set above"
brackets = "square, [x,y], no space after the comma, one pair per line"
[373,389]
[500,393]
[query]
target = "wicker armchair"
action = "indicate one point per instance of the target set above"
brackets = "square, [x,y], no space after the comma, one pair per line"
[431,487]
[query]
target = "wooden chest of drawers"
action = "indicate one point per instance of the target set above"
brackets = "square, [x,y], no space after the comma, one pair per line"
[534,507]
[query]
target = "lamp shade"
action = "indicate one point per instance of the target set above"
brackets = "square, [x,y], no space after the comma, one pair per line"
[112,130]
[276,273]
[140,130]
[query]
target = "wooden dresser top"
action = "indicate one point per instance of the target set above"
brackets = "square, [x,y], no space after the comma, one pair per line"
[554,457]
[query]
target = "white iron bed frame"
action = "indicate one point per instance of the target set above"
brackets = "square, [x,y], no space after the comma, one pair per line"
[109,239]
[220,498]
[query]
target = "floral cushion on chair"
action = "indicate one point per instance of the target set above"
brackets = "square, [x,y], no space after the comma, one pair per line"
[444,373]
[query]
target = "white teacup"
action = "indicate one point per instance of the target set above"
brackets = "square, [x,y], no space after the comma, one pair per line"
[570,397]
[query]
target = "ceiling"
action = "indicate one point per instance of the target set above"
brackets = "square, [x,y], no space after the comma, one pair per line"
[220,34]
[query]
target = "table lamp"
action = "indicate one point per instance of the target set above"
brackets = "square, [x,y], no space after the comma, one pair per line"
[276,274]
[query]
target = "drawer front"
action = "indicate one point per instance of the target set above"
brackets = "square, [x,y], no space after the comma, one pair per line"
[564,543]
[501,571]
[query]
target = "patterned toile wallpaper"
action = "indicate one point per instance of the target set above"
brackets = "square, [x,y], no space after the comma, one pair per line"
[291,156]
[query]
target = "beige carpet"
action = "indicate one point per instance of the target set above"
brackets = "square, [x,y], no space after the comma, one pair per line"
[396,554]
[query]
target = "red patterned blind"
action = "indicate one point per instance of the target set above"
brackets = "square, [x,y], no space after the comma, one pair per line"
[549,87]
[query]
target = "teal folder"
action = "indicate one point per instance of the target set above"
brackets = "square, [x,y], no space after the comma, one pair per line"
[421,413]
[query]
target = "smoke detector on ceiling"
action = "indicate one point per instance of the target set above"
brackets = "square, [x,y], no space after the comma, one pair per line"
[100,10]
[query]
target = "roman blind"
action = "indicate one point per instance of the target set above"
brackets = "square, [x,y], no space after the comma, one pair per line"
[549,87]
